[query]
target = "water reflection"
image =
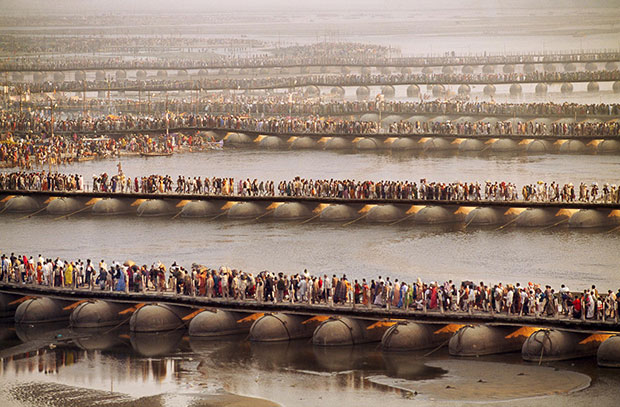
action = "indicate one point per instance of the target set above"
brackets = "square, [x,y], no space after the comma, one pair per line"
[106,355]
[101,339]
[409,366]
[343,358]
[7,334]
[41,332]
[302,356]
[148,364]
[156,344]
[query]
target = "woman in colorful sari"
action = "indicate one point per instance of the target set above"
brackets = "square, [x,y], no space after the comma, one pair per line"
[433,300]
[365,293]
[68,275]
[121,282]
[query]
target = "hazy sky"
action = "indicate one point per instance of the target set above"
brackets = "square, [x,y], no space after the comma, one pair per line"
[132,6]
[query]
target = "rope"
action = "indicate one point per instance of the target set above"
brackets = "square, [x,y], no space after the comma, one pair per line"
[509,223]
[123,322]
[459,334]
[444,343]
[400,220]
[312,218]
[542,351]
[32,214]
[221,214]
[355,220]
[471,220]
[546,334]
[4,209]
[610,231]
[73,213]
[265,214]
[555,224]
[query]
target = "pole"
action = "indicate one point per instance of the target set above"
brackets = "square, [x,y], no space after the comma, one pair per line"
[108,80]
[52,116]
[167,118]
[84,98]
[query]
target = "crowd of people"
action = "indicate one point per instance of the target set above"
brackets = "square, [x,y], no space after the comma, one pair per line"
[27,153]
[322,53]
[305,288]
[18,44]
[279,104]
[543,127]
[273,105]
[283,82]
[300,187]
[41,123]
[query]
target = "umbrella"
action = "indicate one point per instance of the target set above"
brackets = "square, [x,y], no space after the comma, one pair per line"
[129,263]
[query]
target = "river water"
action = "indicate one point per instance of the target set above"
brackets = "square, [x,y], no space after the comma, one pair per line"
[171,370]
[115,368]
[577,258]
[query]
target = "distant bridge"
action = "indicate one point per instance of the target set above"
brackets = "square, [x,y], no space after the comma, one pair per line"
[405,62]
[301,82]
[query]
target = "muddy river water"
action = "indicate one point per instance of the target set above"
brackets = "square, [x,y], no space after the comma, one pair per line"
[115,368]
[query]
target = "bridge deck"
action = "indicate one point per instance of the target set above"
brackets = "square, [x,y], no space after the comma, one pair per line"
[430,316]
[351,136]
[103,87]
[394,63]
[317,200]
[158,106]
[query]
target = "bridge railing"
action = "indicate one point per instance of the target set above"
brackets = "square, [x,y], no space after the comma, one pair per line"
[546,132]
[608,201]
